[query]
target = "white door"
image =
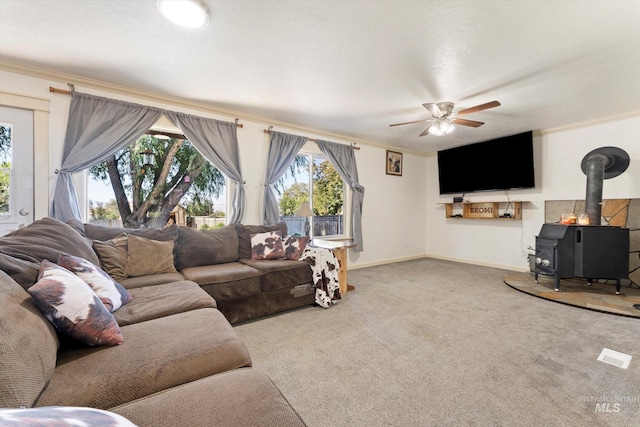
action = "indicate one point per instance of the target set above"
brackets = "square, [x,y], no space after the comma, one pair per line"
[16,168]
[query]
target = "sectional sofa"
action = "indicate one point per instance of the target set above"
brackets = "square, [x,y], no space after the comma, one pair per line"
[169,357]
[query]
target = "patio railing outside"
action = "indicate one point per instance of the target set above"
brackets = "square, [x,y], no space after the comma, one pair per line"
[328,225]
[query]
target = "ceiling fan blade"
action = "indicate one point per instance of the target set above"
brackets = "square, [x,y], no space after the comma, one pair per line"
[426,131]
[433,109]
[408,123]
[480,107]
[465,122]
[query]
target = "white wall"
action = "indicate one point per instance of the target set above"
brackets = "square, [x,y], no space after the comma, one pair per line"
[558,156]
[402,218]
[394,207]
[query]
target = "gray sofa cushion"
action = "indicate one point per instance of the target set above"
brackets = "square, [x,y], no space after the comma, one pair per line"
[156,355]
[241,398]
[206,247]
[43,239]
[152,302]
[28,346]
[245,232]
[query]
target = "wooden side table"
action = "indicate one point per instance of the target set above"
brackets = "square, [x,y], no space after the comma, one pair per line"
[339,248]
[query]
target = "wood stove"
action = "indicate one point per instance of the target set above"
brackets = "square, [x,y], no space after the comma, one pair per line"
[588,252]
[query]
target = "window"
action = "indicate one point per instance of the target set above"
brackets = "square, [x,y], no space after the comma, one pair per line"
[6,156]
[161,179]
[312,178]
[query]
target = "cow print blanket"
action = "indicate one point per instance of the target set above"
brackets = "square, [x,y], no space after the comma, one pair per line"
[325,274]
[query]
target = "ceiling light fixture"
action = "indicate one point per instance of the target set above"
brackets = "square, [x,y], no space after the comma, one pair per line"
[186,13]
[442,127]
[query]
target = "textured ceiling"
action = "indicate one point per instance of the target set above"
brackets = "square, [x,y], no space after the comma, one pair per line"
[352,67]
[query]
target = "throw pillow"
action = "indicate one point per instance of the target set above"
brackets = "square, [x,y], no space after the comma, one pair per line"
[267,245]
[110,292]
[146,256]
[113,256]
[294,245]
[61,416]
[245,232]
[72,306]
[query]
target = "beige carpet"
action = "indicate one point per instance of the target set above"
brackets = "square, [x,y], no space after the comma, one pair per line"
[576,292]
[437,343]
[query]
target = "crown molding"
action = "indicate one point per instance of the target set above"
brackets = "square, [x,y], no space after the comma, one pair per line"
[66,78]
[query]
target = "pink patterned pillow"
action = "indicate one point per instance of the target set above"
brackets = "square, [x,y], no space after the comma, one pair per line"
[267,245]
[111,293]
[294,245]
[72,306]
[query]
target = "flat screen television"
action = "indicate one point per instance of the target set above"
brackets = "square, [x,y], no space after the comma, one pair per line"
[498,164]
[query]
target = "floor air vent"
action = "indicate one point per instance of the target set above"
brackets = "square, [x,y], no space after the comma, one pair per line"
[615,358]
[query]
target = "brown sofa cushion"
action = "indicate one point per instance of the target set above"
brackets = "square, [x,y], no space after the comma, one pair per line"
[243,397]
[245,232]
[225,281]
[281,273]
[99,232]
[206,247]
[152,302]
[150,280]
[156,355]
[43,239]
[28,346]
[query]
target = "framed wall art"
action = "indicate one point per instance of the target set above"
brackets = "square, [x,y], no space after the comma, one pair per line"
[394,163]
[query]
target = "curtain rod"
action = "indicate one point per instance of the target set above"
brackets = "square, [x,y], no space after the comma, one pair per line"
[355,147]
[68,92]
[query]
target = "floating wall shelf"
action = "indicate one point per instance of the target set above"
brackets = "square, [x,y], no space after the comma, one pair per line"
[485,210]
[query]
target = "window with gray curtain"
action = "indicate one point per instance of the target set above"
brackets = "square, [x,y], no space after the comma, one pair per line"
[98,127]
[343,159]
[282,150]
[218,143]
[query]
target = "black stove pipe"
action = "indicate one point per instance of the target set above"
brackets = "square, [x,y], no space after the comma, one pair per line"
[595,180]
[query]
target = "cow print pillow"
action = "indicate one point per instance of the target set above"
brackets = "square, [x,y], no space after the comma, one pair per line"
[267,245]
[111,293]
[294,245]
[72,306]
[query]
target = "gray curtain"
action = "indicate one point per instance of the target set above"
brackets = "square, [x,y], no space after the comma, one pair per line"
[218,143]
[97,128]
[343,159]
[282,150]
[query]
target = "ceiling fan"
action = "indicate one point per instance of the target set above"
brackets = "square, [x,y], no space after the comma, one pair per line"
[444,117]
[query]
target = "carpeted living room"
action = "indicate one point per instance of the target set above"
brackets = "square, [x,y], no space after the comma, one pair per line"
[434,342]
[483,224]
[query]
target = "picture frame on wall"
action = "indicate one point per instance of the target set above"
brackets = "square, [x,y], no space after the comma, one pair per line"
[394,163]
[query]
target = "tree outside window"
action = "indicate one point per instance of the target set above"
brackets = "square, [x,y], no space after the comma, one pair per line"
[148,194]
[5,168]
[315,172]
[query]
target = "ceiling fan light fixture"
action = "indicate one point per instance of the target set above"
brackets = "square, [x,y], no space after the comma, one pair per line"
[442,127]
[186,13]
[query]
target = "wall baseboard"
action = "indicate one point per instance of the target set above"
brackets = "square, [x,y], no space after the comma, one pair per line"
[464,261]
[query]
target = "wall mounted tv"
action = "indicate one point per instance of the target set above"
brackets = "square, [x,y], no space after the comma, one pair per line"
[498,164]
